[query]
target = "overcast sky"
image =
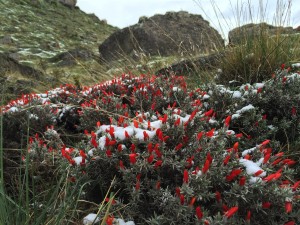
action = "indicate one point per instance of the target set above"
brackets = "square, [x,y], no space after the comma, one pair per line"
[223,15]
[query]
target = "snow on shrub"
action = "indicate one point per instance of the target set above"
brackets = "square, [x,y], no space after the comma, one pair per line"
[206,156]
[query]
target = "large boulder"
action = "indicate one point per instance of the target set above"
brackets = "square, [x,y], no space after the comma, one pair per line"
[247,32]
[163,35]
[70,3]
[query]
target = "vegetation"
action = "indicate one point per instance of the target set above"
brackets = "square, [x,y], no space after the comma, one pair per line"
[155,149]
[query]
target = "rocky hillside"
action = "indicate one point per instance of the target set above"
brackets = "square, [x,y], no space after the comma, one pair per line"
[55,40]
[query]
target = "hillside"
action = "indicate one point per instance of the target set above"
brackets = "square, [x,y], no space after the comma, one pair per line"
[39,34]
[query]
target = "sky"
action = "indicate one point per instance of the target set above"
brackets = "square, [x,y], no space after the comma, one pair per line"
[223,15]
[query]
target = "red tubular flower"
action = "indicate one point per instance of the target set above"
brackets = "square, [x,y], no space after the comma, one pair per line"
[108,153]
[290,223]
[137,185]
[199,135]
[185,176]
[233,174]
[296,185]
[257,173]
[218,196]
[120,148]
[192,201]
[126,134]
[132,158]
[206,166]
[242,181]
[177,122]
[109,220]
[294,111]
[288,207]
[209,113]
[266,158]
[158,164]
[82,154]
[150,158]
[146,135]
[179,146]
[236,146]
[227,121]
[226,160]
[248,216]
[121,164]
[231,211]
[177,190]
[135,123]
[199,213]
[181,199]
[265,142]
[210,133]
[266,205]
[157,186]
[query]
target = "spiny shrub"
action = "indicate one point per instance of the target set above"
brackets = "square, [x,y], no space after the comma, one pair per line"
[206,156]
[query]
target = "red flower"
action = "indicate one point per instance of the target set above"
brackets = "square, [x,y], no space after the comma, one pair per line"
[193,199]
[266,158]
[158,163]
[146,135]
[121,164]
[266,205]
[157,186]
[257,173]
[236,146]
[177,190]
[109,220]
[248,216]
[290,223]
[209,113]
[126,134]
[150,158]
[288,207]
[199,213]
[108,153]
[181,199]
[206,166]
[242,181]
[294,111]
[185,176]
[132,158]
[199,135]
[132,148]
[210,133]
[227,121]
[218,196]
[179,146]
[226,160]
[231,211]
[296,185]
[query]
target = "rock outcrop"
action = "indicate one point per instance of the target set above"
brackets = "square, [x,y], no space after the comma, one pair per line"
[9,64]
[70,57]
[188,66]
[163,35]
[69,3]
[249,31]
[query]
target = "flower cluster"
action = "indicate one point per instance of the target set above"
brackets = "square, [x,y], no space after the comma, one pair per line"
[207,156]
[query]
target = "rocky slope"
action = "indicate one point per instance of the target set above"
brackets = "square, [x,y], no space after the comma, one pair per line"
[58,40]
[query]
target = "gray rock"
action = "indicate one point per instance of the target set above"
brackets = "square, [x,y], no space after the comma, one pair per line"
[188,66]
[9,64]
[6,40]
[69,58]
[244,33]
[163,35]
